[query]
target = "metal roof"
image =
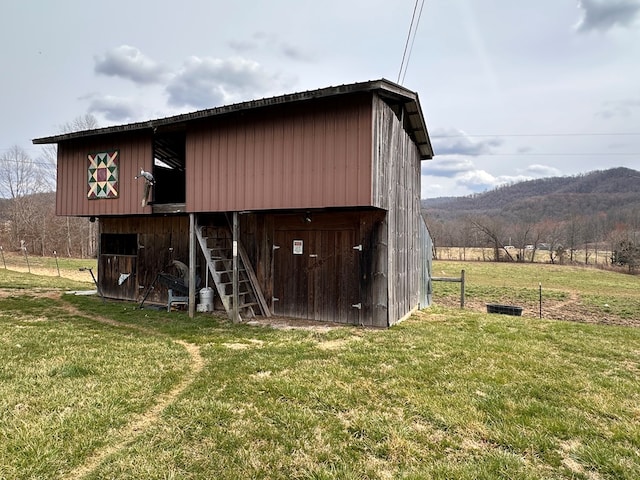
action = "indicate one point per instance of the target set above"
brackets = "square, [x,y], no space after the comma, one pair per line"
[391,92]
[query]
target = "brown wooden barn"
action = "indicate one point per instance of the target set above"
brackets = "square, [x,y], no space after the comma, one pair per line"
[304,205]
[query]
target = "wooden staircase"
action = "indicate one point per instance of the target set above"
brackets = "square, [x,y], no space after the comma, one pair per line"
[217,246]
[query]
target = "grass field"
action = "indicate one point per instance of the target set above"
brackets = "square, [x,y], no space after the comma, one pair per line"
[67,268]
[474,254]
[568,292]
[93,390]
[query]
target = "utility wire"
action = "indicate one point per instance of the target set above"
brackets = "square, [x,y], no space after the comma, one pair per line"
[413,39]
[548,154]
[403,64]
[596,134]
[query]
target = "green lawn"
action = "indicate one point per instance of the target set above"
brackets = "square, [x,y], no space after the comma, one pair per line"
[575,293]
[447,394]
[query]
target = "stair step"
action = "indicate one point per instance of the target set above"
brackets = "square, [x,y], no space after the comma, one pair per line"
[240,270]
[216,244]
[246,280]
[240,294]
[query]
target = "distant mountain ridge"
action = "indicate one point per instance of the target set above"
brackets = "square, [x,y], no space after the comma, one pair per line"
[614,192]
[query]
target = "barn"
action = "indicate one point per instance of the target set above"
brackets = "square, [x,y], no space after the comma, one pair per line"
[304,205]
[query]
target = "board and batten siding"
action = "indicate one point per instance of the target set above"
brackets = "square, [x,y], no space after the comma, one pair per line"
[135,152]
[159,239]
[329,276]
[396,189]
[314,155]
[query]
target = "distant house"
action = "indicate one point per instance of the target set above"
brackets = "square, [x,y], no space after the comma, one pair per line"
[304,205]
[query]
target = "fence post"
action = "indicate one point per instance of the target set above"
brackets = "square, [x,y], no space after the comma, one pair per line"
[540,288]
[462,289]
[26,257]
[55,254]
[459,280]
[2,253]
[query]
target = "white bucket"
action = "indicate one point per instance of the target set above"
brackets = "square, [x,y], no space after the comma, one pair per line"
[206,300]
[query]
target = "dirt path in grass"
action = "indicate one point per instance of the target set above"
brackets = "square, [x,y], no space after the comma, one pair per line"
[141,422]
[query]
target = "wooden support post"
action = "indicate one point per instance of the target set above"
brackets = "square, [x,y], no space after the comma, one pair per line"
[236,296]
[192,265]
[459,280]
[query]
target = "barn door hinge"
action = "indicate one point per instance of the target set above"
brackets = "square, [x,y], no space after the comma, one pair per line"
[275,299]
[276,247]
[358,247]
[357,305]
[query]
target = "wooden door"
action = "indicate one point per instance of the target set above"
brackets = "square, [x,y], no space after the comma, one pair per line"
[316,275]
[117,276]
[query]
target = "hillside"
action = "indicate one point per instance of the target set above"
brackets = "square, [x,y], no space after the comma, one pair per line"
[593,210]
[614,192]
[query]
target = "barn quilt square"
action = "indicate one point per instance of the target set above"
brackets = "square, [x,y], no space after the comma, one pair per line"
[102,175]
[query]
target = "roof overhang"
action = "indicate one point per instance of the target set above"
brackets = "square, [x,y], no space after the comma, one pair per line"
[389,91]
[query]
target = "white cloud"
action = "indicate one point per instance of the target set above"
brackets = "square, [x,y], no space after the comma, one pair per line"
[209,82]
[271,43]
[242,46]
[621,108]
[447,167]
[466,176]
[602,15]
[477,180]
[292,52]
[114,109]
[539,171]
[129,62]
[456,142]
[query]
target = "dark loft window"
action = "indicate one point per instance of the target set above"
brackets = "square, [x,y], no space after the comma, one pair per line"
[169,167]
[119,244]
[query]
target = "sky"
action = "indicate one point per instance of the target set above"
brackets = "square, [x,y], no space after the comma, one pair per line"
[511,90]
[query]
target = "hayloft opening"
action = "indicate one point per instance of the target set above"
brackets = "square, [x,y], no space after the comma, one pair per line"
[169,160]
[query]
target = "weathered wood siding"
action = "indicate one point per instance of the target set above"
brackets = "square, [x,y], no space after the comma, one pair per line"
[396,188]
[374,280]
[159,241]
[295,156]
[135,152]
[329,276]
[322,283]
[321,280]
[256,235]
[426,246]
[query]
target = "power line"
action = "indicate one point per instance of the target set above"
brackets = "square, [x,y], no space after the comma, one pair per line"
[587,134]
[544,154]
[43,163]
[414,29]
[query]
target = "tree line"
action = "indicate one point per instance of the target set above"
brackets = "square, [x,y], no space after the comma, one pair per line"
[590,213]
[27,204]
[518,239]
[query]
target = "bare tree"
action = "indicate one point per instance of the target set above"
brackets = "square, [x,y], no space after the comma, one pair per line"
[79,233]
[20,175]
[553,236]
[83,122]
[493,229]
[21,181]
[572,233]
